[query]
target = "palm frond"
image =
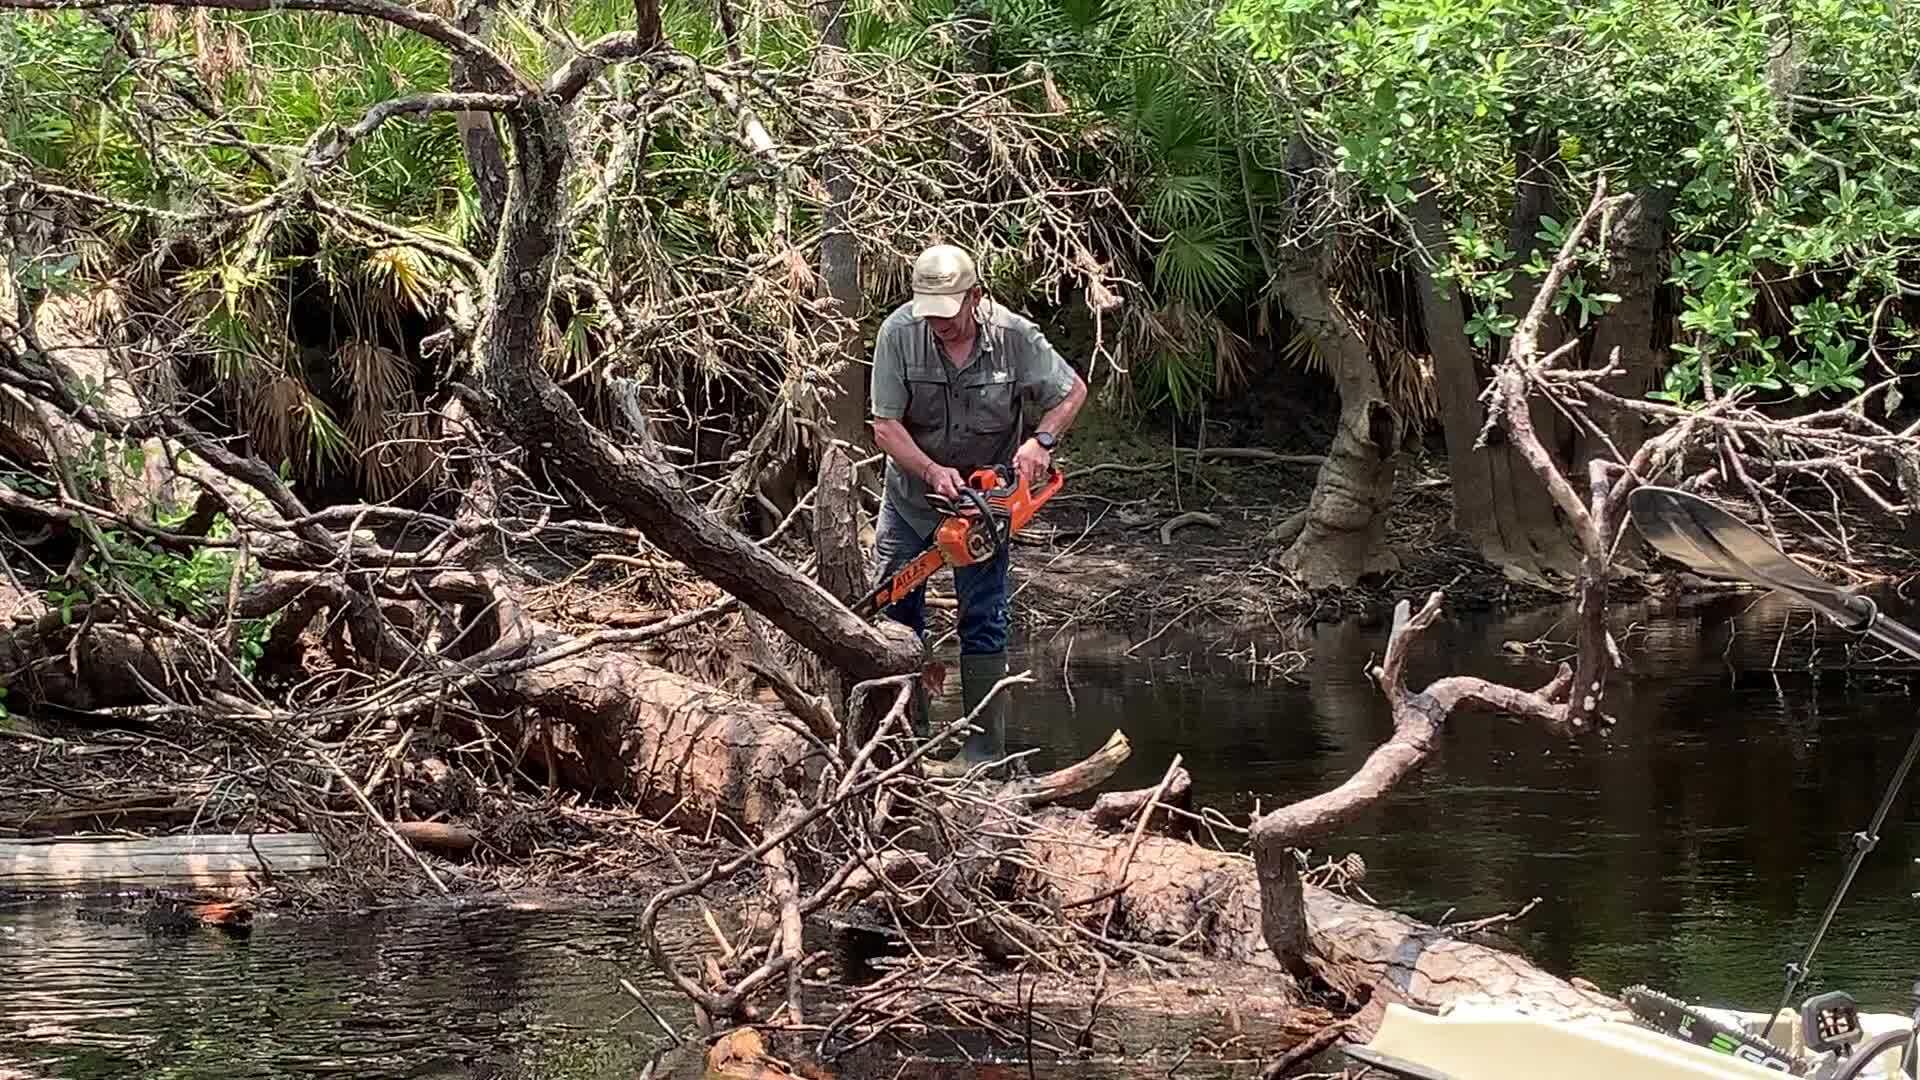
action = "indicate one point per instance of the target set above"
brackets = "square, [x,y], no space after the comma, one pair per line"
[1303,352]
[1202,265]
[376,379]
[1188,200]
[272,409]
[1231,356]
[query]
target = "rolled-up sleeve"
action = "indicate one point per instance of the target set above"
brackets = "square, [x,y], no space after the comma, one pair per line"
[887,389]
[1044,375]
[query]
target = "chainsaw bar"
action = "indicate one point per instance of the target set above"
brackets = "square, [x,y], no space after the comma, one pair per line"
[1669,1016]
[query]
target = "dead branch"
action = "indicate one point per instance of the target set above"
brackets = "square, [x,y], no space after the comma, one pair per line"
[1116,808]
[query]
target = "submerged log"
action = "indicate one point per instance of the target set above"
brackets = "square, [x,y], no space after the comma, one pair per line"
[71,863]
[173,915]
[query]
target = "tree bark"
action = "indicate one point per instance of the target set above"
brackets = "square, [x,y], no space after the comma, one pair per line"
[1344,538]
[486,160]
[839,247]
[1210,902]
[1498,502]
[612,723]
[1636,269]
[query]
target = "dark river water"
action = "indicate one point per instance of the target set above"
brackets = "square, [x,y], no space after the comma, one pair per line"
[1693,849]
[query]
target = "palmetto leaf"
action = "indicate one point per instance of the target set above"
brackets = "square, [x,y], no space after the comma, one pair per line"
[1202,266]
[404,274]
[384,428]
[1188,200]
[274,409]
[1231,354]
[1302,351]
[376,379]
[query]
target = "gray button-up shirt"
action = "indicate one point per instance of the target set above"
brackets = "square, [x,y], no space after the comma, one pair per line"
[963,417]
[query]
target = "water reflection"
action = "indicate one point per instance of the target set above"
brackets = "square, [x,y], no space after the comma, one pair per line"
[483,994]
[1694,848]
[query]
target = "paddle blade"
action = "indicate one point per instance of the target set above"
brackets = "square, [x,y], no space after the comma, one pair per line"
[1694,532]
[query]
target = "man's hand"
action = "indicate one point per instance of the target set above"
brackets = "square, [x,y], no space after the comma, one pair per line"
[943,480]
[1031,462]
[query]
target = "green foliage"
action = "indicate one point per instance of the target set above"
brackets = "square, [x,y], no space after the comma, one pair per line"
[76,114]
[1146,75]
[192,587]
[1791,145]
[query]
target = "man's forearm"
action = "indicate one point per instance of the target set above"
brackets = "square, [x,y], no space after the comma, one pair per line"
[892,439]
[1059,418]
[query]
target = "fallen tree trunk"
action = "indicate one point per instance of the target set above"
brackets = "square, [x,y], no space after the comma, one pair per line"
[1206,901]
[612,723]
[618,724]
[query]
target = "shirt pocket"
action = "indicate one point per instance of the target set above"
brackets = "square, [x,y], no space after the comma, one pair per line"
[926,415]
[994,405]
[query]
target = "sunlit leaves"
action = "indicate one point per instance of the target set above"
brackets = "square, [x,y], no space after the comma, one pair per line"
[1794,149]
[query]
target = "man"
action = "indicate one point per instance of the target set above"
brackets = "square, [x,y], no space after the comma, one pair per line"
[951,371]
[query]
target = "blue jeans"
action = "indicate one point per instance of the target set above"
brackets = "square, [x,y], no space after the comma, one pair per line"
[980,589]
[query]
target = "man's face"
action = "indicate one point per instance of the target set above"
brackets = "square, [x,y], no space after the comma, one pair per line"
[959,327]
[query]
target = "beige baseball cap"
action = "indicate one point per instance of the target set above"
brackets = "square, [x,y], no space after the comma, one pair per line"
[941,277]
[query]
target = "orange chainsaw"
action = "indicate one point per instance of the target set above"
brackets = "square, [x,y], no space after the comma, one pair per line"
[992,506]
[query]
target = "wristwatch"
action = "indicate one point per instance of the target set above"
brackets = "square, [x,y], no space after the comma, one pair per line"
[1046,440]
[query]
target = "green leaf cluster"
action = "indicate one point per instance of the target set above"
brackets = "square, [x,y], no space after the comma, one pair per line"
[1786,136]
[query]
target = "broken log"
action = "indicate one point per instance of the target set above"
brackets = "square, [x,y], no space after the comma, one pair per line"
[1114,809]
[206,859]
[1081,776]
[610,722]
[437,835]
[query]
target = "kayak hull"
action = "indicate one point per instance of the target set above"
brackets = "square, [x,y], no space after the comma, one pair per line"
[1490,1042]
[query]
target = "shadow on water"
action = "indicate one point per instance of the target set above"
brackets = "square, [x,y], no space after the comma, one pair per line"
[1693,849]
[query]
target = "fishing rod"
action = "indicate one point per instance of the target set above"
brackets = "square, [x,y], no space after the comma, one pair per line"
[1688,529]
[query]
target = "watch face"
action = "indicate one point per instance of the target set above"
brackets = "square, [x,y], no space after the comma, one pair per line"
[1045,439]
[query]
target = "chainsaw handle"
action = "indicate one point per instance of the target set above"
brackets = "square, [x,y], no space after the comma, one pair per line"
[1012,483]
[995,527]
[977,500]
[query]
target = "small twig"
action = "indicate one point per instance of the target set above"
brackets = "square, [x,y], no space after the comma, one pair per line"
[1477,925]
[634,992]
[1314,1045]
[368,807]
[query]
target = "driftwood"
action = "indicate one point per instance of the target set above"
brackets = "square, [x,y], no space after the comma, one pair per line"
[162,861]
[1116,808]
